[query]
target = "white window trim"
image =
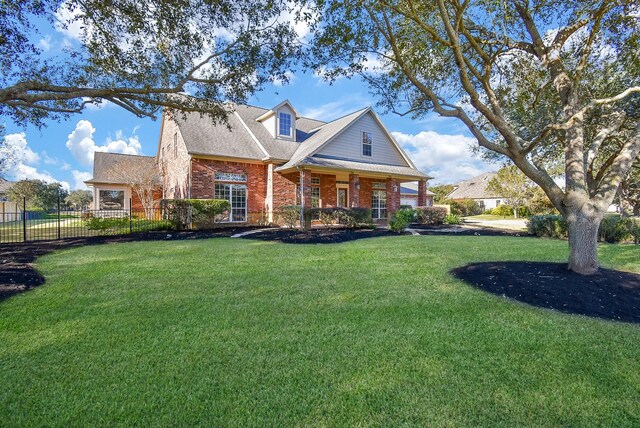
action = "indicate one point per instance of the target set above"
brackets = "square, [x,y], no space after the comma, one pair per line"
[362,144]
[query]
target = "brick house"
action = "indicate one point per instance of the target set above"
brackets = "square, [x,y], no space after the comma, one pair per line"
[263,159]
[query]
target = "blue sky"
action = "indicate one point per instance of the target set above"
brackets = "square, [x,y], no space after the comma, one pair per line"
[64,151]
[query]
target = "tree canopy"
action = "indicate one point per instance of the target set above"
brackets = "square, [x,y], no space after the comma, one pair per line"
[38,194]
[544,83]
[142,56]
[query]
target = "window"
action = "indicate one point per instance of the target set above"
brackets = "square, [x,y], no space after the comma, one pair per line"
[379,204]
[315,181]
[236,194]
[498,202]
[284,124]
[366,144]
[175,145]
[315,197]
[111,199]
[379,185]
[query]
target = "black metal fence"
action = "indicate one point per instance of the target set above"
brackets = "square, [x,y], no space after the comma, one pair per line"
[25,225]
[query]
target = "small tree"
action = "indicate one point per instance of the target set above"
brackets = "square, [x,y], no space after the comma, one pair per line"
[441,191]
[38,194]
[513,186]
[144,178]
[79,199]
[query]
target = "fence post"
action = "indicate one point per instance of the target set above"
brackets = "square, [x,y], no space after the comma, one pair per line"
[130,215]
[24,219]
[58,213]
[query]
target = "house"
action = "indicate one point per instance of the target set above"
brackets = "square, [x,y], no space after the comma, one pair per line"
[476,188]
[111,178]
[409,195]
[265,159]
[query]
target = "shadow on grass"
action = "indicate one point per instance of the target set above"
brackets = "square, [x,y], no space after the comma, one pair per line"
[608,294]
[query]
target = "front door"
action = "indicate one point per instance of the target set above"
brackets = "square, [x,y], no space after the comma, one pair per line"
[342,198]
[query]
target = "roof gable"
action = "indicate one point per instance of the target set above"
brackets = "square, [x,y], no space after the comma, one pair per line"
[347,144]
[474,188]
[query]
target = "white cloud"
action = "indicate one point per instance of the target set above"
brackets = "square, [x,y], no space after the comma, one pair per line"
[79,177]
[45,43]
[448,158]
[69,21]
[82,146]
[21,161]
[290,77]
[335,109]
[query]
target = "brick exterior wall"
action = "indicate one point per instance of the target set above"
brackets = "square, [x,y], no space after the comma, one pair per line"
[393,197]
[284,189]
[422,193]
[328,190]
[354,193]
[174,164]
[203,180]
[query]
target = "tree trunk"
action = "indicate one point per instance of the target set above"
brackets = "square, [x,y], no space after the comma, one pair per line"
[515,213]
[583,242]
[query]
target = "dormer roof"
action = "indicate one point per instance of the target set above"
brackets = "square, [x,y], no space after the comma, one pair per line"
[273,111]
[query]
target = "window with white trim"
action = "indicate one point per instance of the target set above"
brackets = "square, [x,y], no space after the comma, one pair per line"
[366,143]
[284,124]
[228,176]
[315,197]
[236,194]
[379,204]
[111,199]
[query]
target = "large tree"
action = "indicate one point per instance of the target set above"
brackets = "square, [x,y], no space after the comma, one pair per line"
[37,194]
[531,79]
[141,55]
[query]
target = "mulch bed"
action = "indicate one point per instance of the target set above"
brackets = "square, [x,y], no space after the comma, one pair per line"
[318,235]
[465,231]
[18,275]
[608,294]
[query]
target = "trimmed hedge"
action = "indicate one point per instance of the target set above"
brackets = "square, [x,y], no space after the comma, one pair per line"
[612,229]
[430,215]
[350,217]
[199,213]
[289,215]
[615,229]
[463,207]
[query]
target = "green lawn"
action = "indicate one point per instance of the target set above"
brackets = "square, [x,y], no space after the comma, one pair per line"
[227,332]
[490,217]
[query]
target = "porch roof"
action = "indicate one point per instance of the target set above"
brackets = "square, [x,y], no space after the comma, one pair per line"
[325,163]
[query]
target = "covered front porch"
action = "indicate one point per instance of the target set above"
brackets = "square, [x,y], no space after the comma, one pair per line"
[325,188]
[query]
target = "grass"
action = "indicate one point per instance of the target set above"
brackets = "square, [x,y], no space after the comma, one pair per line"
[366,333]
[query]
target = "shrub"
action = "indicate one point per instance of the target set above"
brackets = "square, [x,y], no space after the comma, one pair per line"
[549,226]
[202,213]
[503,210]
[615,229]
[289,215]
[453,219]
[401,219]
[106,225]
[464,207]
[350,217]
[430,215]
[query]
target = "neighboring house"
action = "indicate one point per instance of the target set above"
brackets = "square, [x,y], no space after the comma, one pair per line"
[476,188]
[4,189]
[110,185]
[264,159]
[409,195]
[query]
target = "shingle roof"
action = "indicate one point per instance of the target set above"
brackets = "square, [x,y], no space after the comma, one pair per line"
[361,166]
[411,188]
[474,188]
[203,137]
[105,171]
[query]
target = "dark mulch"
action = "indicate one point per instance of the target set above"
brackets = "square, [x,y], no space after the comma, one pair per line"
[465,231]
[318,235]
[18,275]
[609,294]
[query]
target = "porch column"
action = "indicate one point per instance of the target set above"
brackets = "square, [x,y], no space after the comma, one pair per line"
[393,196]
[354,190]
[422,193]
[305,182]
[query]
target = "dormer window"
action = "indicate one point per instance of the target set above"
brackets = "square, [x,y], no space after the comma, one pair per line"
[284,124]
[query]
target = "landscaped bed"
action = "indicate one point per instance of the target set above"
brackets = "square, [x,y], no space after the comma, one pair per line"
[258,333]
